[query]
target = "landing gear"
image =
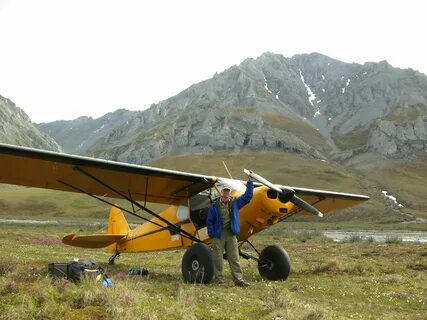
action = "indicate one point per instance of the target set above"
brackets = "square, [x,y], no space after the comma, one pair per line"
[197,264]
[113,258]
[274,263]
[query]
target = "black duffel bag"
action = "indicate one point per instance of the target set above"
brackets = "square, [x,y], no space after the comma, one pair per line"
[76,270]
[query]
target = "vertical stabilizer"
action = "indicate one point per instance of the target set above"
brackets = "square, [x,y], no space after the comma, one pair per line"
[117,224]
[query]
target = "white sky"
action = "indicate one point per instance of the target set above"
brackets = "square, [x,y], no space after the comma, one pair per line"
[63,59]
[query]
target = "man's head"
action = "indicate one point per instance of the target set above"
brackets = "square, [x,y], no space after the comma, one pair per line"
[225,194]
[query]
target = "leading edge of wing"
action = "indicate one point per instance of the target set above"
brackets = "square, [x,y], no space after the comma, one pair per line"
[321,193]
[97,163]
[328,194]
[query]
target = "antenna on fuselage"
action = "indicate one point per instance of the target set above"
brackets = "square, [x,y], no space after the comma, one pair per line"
[227,170]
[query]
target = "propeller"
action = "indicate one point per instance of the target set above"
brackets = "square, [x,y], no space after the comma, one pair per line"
[287,193]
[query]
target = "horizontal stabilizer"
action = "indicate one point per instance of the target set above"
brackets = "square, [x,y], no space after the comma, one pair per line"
[92,241]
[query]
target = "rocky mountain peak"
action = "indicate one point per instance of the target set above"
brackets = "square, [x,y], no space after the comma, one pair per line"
[309,103]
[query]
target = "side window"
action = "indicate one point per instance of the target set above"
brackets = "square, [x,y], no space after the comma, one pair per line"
[203,199]
[214,194]
[182,213]
[199,207]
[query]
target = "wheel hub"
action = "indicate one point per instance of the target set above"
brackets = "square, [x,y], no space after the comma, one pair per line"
[267,265]
[195,265]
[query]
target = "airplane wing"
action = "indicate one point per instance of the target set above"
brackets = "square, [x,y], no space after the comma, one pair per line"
[327,201]
[59,171]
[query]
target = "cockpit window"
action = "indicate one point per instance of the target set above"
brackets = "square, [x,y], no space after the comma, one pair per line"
[203,199]
[199,206]
[182,213]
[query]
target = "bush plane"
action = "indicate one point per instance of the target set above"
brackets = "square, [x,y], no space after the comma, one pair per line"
[183,223]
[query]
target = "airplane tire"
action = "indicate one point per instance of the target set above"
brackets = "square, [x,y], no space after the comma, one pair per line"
[197,264]
[274,263]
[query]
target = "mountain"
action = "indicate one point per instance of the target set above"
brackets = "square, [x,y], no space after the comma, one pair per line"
[77,136]
[370,107]
[17,128]
[308,104]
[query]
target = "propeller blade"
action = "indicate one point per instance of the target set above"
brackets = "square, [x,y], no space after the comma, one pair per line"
[262,180]
[306,206]
[287,192]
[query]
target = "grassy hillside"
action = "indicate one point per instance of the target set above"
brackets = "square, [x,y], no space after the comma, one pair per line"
[32,203]
[296,170]
[406,180]
[21,201]
[298,128]
[279,167]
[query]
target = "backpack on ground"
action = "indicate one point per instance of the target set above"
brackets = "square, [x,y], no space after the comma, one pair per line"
[76,270]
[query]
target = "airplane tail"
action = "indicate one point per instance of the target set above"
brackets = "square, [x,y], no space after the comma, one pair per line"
[117,223]
[118,228]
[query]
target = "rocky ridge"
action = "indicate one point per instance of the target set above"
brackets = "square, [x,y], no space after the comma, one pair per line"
[309,104]
[77,136]
[16,128]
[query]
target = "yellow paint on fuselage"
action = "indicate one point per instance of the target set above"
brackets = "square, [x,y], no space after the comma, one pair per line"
[150,237]
[262,212]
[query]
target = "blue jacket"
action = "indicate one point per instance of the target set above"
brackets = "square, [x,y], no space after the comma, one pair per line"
[214,222]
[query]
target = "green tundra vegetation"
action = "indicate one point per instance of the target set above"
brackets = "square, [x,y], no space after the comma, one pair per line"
[329,280]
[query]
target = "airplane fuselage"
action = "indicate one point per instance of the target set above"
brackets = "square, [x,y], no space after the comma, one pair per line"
[264,210]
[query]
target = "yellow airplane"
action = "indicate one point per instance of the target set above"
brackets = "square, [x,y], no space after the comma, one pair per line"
[183,224]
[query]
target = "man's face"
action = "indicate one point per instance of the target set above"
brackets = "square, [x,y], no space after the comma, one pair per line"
[225,195]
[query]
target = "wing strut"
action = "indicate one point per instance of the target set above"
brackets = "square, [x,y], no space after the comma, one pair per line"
[170,227]
[130,196]
[146,191]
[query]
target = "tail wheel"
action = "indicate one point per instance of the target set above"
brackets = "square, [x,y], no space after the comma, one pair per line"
[197,264]
[274,263]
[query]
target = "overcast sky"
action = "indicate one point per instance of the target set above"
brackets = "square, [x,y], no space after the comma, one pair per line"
[63,59]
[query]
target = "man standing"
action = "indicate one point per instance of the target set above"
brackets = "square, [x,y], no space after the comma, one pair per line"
[223,225]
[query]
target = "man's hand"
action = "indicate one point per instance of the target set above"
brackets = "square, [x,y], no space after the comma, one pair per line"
[248,173]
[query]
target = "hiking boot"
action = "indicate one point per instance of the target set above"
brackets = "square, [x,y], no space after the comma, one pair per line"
[242,283]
